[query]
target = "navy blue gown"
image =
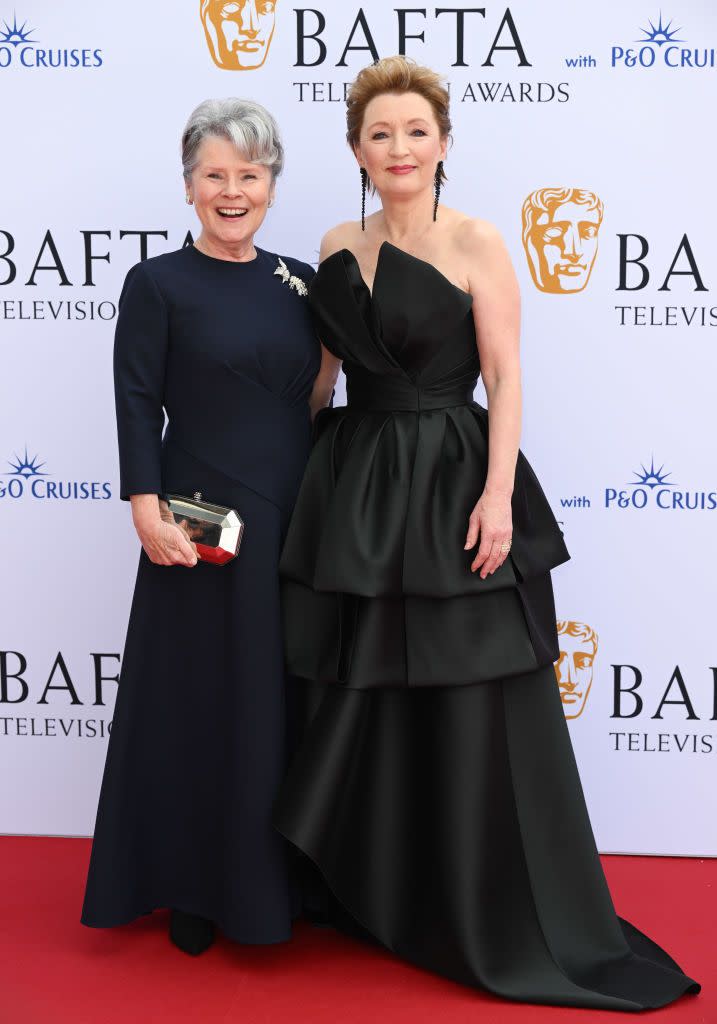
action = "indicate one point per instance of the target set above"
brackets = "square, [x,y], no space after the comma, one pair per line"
[198,744]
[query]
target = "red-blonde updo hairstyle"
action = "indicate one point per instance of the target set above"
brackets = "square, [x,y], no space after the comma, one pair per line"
[396,75]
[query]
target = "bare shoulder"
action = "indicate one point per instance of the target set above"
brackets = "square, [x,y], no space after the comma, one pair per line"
[339,237]
[477,239]
[484,259]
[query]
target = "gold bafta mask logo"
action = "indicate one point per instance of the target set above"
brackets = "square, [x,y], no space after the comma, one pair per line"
[574,668]
[560,237]
[238,31]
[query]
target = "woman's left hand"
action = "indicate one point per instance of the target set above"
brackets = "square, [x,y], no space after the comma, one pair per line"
[492,520]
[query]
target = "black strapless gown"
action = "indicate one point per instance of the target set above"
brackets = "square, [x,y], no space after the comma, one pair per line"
[435,786]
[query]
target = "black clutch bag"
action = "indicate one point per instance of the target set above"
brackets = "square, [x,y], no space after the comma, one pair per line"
[216,531]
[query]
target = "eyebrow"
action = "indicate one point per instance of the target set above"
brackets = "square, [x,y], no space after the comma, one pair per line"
[414,120]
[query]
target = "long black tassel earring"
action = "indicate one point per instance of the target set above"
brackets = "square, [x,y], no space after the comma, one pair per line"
[437,188]
[364,183]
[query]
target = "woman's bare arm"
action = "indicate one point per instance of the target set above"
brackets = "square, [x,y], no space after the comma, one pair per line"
[496,308]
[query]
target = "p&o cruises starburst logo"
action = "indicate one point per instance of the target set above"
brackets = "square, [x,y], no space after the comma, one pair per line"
[19,49]
[16,34]
[28,479]
[25,466]
[661,45]
[653,488]
[652,477]
[660,34]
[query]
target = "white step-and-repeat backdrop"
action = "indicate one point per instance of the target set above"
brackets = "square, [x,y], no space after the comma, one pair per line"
[585,133]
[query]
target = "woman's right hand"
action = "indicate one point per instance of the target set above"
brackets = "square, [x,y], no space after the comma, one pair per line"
[164,542]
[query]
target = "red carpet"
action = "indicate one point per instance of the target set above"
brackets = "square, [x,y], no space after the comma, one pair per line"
[52,970]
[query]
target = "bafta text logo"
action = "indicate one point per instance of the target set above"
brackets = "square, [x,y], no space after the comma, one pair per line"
[238,32]
[560,237]
[574,668]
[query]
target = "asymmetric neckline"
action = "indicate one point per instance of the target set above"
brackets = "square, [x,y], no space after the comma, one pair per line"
[389,245]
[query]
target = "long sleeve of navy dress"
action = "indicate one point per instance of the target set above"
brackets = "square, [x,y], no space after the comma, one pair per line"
[140,358]
[197,751]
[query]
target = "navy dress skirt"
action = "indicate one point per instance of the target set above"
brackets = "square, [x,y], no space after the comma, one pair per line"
[198,743]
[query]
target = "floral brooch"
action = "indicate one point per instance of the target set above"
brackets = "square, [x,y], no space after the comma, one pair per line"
[291,279]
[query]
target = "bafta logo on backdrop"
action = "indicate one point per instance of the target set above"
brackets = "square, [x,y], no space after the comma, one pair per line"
[574,668]
[560,237]
[238,32]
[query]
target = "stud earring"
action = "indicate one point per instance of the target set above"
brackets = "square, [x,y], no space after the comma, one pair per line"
[438,181]
[364,183]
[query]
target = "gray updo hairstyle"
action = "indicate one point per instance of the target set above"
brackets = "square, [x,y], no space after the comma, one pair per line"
[248,125]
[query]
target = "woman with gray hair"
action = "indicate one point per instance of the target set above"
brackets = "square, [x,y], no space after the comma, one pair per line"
[218,336]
